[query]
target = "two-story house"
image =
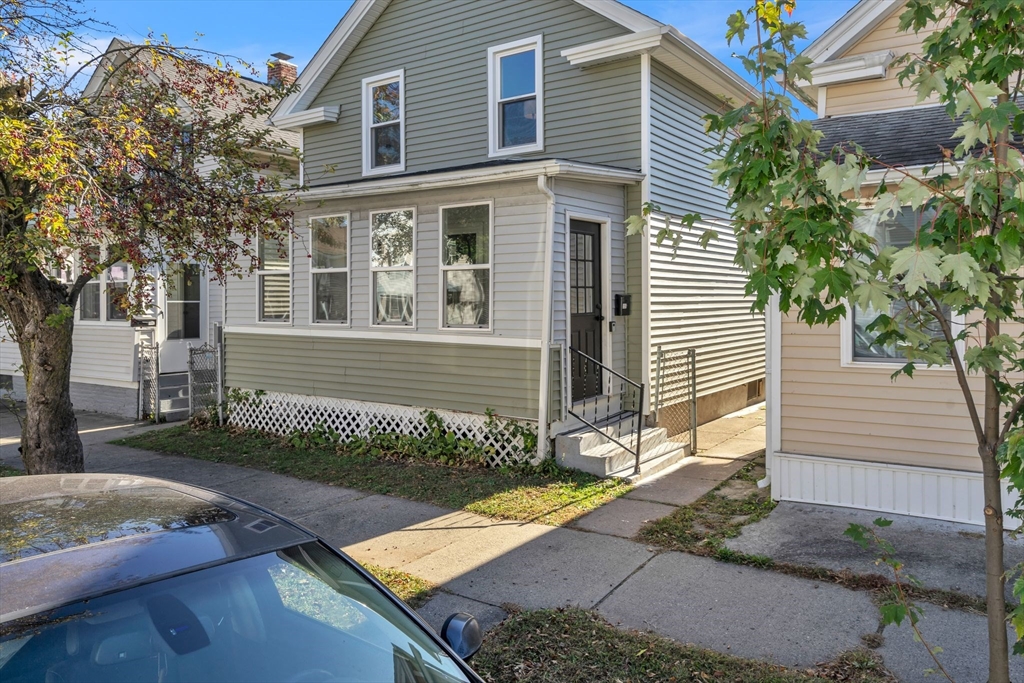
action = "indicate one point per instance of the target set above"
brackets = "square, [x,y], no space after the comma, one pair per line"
[840,431]
[187,305]
[462,242]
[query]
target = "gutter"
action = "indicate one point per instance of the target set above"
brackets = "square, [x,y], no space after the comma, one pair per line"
[545,335]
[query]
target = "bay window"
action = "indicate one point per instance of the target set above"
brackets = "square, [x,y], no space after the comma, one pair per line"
[466,265]
[384,123]
[515,87]
[274,280]
[392,240]
[329,237]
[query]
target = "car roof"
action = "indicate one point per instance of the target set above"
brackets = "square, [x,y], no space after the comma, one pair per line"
[91,534]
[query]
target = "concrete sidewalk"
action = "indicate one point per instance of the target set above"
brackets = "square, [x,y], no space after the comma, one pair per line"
[481,564]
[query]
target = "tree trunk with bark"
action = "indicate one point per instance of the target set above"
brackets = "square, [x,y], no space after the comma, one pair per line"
[41,315]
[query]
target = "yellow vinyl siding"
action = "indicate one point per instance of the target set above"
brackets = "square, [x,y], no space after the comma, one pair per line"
[878,94]
[859,413]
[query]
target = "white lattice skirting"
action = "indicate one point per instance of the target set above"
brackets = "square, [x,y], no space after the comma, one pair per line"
[283,414]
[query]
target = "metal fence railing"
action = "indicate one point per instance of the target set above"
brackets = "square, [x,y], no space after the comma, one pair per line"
[674,399]
[149,381]
[205,389]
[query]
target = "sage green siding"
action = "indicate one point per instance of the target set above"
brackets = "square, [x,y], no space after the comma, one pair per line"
[427,374]
[590,114]
[697,294]
[635,286]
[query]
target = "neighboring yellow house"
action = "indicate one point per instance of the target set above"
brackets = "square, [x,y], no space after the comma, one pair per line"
[840,431]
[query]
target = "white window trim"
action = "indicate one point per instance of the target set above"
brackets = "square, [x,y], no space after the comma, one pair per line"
[412,268]
[847,359]
[443,294]
[368,84]
[494,54]
[291,288]
[313,271]
[101,278]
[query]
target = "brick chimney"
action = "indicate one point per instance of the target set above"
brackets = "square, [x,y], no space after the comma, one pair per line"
[280,71]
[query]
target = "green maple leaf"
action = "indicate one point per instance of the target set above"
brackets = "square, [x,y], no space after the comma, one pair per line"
[917,267]
[874,294]
[786,255]
[962,269]
[913,192]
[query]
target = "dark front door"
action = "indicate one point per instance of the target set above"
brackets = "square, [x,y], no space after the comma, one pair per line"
[585,306]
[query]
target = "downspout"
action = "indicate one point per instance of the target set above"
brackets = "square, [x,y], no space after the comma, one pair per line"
[545,328]
[773,387]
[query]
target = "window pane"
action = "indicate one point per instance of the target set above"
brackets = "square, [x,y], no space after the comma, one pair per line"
[391,241]
[467,235]
[273,254]
[89,301]
[117,300]
[467,297]
[864,345]
[331,297]
[394,297]
[274,297]
[519,123]
[183,320]
[387,145]
[118,272]
[898,231]
[518,72]
[330,242]
[183,283]
[386,102]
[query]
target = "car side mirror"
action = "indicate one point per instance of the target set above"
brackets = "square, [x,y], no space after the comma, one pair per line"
[462,633]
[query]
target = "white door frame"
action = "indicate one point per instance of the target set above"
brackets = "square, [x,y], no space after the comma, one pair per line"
[173,352]
[607,338]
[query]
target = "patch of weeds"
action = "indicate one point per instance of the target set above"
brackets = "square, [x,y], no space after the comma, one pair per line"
[702,528]
[576,646]
[7,471]
[413,590]
[546,494]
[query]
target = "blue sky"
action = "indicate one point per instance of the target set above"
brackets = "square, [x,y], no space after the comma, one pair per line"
[253,29]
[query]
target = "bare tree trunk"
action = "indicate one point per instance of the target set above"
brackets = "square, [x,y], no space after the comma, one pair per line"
[43,321]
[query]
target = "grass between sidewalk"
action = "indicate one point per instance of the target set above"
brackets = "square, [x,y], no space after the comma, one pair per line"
[544,495]
[703,527]
[576,646]
[7,471]
[413,590]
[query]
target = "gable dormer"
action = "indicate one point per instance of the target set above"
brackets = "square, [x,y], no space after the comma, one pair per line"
[852,62]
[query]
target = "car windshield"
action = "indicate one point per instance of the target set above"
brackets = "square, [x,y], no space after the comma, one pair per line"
[301,615]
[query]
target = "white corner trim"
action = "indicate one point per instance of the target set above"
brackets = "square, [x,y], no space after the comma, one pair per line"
[949,495]
[822,100]
[547,311]
[645,238]
[429,181]
[308,117]
[864,67]
[850,29]
[402,335]
[773,380]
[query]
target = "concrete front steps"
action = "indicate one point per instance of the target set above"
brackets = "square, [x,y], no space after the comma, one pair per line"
[590,451]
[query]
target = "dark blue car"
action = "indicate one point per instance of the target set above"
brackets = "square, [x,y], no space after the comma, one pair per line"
[108,577]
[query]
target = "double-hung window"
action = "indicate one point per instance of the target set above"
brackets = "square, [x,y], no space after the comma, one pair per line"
[384,123]
[329,237]
[898,231]
[466,265]
[392,245]
[105,296]
[515,88]
[274,280]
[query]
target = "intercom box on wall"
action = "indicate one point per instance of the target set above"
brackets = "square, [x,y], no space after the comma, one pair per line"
[623,304]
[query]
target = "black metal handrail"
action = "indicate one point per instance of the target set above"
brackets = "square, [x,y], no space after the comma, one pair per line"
[587,374]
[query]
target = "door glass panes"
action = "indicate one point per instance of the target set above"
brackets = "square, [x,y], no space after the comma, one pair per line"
[386,124]
[184,302]
[581,273]
[517,105]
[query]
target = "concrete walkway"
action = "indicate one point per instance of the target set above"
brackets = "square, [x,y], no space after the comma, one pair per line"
[481,564]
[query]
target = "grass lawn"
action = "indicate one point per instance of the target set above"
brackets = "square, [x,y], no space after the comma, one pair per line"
[6,471]
[413,590]
[547,497]
[577,646]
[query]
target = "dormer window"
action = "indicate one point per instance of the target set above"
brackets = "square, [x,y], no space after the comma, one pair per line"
[516,97]
[384,123]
